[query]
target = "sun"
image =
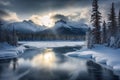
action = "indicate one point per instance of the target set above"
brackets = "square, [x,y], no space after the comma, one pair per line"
[47,21]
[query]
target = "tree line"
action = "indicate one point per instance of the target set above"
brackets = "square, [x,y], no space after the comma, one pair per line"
[48,37]
[7,36]
[109,32]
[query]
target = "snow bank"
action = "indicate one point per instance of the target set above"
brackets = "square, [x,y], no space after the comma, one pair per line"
[100,54]
[45,44]
[8,51]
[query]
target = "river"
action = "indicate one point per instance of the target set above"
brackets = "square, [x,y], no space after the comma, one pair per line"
[52,64]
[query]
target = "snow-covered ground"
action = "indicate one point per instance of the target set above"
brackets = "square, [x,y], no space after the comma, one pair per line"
[45,44]
[8,51]
[100,54]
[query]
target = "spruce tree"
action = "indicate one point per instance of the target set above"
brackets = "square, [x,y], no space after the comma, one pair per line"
[96,20]
[112,27]
[112,22]
[118,32]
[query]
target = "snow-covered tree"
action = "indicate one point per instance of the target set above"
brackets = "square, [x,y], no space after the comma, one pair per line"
[96,20]
[112,25]
[117,43]
[89,38]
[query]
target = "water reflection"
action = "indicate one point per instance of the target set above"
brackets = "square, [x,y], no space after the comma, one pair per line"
[48,65]
[6,73]
[45,59]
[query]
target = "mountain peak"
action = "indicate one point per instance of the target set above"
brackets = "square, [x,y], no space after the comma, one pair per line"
[61,21]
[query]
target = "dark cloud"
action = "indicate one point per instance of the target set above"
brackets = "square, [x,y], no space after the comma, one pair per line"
[59,17]
[3,14]
[41,5]
[71,18]
[30,7]
[8,16]
[35,6]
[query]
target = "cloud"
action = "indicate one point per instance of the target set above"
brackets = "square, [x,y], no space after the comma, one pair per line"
[50,18]
[43,20]
[59,17]
[34,6]
[38,6]
[8,16]
[5,3]
[82,15]
[3,13]
[36,19]
[27,8]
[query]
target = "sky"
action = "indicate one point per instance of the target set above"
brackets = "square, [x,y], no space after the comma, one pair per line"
[45,12]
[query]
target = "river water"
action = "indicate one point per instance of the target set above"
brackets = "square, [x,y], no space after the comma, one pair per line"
[52,64]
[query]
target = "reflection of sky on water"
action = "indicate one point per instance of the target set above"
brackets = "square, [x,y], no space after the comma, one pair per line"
[48,59]
[45,59]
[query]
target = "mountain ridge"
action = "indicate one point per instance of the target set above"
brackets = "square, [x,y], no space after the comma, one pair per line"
[60,27]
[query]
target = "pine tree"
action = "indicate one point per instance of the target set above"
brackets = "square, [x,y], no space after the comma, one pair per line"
[104,33]
[96,20]
[112,27]
[112,22]
[117,45]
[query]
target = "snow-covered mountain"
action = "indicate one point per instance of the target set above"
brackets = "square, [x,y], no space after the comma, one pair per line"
[60,27]
[63,27]
[62,23]
[25,26]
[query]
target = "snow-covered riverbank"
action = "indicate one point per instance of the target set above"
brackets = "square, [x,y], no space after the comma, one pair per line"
[8,51]
[100,54]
